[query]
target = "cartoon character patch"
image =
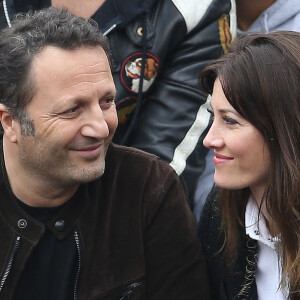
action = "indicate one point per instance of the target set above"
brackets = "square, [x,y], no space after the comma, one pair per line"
[131,71]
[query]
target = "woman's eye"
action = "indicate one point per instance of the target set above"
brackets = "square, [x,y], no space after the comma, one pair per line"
[229,120]
[212,116]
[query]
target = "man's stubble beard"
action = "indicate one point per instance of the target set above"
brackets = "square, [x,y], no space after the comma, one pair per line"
[58,169]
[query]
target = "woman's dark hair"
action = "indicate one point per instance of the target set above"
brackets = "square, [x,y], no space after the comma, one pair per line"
[260,78]
[29,34]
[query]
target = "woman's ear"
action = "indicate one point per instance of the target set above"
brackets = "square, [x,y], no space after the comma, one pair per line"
[8,123]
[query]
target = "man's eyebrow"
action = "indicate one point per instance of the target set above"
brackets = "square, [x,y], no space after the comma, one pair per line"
[110,93]
[83,98]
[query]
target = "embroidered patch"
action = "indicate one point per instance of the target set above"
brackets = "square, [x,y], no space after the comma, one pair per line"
[131,71]
[224,31]
[124,109]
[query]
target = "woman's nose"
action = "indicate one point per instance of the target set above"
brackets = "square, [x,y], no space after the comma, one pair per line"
[214,138]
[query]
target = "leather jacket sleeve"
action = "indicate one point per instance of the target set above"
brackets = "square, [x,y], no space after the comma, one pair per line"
[175,264]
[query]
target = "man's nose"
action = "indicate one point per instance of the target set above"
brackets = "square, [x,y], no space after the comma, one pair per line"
[214,138]
[95,124]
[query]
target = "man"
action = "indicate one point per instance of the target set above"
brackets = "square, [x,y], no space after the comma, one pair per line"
[81,218]
[158,48]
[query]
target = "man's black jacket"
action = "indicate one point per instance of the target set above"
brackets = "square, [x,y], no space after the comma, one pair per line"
[135,234]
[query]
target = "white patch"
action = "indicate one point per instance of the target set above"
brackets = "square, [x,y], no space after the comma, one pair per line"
[136,84]
[188,144]
[192,11]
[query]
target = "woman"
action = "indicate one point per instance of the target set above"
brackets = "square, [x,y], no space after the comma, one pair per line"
[250,227]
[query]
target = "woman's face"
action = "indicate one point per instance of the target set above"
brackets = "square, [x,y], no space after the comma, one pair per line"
[242,158]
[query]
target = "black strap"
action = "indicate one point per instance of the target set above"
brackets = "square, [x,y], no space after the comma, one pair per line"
[140,92]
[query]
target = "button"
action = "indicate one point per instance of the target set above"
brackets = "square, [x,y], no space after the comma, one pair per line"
[256,232]
[22,223]
[140,31]
[60,225]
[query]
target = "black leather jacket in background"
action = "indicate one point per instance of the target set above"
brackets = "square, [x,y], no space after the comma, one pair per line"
[175,39]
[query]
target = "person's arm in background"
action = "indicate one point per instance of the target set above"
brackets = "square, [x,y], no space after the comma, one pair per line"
[174,117]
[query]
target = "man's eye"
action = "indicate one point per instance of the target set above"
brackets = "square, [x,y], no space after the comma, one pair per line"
[229,120]
[107,102]
[71,111]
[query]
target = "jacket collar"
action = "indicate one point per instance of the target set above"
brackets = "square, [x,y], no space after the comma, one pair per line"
[111,14]
[21,6]
[115,13]
[24,6]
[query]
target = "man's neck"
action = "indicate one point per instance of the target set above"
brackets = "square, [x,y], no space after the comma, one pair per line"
[80,8]
[32,190]
[249,11]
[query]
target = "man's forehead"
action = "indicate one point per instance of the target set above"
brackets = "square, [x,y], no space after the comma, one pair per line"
[53,53]
[60,75]
[63,66]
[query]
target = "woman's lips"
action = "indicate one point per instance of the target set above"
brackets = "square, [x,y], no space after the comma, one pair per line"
[219,158]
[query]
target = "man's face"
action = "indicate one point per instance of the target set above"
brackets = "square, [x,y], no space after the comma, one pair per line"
[74,116]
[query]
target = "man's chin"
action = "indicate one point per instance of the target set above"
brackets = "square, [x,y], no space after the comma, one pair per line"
[86,172]
[91,175]
[87,178]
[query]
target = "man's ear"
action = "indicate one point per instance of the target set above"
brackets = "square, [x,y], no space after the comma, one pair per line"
[8,123]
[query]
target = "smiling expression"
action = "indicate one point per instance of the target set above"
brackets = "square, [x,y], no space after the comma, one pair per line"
[73,113]
[242,158]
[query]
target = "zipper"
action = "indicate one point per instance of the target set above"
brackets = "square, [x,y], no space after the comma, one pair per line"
[131,289]
[76,236]
[110,29]
[10,261]
[6,13]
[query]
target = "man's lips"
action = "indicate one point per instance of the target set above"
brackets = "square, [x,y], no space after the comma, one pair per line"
[89,151]
[89,148]
[219,158]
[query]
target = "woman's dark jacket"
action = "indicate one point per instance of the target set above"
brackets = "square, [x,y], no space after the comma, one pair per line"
[176,39]
[236,280]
